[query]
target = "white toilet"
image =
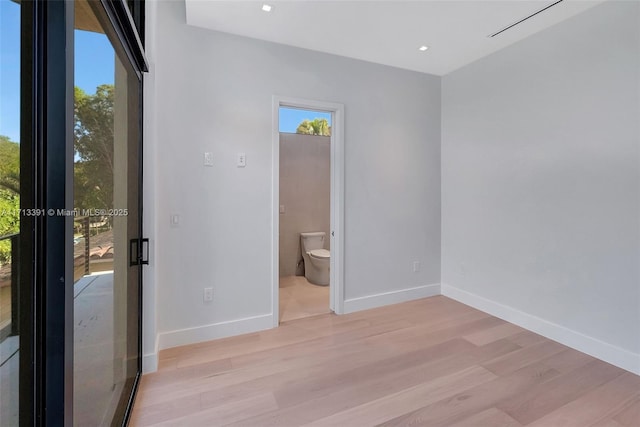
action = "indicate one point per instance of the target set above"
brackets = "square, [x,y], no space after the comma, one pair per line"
[316,258]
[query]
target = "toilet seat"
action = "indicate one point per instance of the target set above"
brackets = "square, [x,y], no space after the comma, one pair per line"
[319,253]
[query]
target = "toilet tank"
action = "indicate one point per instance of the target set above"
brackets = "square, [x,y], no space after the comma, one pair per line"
[312,240]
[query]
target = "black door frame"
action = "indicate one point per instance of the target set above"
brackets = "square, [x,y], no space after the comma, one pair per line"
[46,164]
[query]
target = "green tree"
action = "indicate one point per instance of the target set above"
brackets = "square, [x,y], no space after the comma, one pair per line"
[314,127]
[93,172]
[10,165]
[9,193]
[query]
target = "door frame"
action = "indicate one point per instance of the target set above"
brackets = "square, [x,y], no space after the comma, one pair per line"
[336,283]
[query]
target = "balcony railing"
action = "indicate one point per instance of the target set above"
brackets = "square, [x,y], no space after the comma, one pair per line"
[10,289]
[81,247]
[92,246]
[93,250]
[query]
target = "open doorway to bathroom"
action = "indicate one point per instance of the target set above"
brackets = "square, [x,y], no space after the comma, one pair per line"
[304,212]
[307,208]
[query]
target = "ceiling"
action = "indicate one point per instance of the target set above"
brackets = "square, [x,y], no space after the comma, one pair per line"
[387,32]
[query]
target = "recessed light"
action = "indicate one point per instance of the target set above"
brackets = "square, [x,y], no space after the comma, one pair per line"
[423,48]
[266,7]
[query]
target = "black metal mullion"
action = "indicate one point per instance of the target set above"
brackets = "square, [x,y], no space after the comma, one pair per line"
[129,410]
[125,27]
[54,278]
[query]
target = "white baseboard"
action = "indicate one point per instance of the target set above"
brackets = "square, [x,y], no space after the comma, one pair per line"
[150,360]
[149,363]
[214,331]
[394,297]
[609,353]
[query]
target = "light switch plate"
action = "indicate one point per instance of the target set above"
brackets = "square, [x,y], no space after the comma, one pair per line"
[242,160]
[208,159]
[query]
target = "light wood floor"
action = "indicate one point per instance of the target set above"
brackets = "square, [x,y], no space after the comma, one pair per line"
[299,298]
[430,362]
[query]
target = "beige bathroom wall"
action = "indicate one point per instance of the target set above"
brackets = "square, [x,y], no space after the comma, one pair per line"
[305,189]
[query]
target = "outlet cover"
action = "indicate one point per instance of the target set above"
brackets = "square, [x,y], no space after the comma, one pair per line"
[208,294]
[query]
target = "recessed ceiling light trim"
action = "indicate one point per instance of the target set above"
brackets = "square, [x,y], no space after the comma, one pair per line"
[267,7]
[525,18]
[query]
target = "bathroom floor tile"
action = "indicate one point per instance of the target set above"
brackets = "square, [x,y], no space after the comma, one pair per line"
[299,298]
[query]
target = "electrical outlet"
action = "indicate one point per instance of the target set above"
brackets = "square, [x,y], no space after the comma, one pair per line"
[416,266]
[208,294]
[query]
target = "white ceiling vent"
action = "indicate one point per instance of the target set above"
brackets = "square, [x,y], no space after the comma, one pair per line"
[524,19]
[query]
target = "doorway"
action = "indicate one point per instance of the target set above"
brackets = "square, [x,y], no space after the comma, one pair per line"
[287,253]
[305,174]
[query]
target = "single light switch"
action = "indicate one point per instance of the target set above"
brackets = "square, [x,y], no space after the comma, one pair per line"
[175,220]
[208,159]
[242,160]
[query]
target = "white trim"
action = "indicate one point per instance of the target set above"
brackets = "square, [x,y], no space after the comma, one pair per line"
[214,331]
[150,199]
[609,353]
[150,360]
[337,210]
[275,213]
[149,363]
[393,297]
[336,286]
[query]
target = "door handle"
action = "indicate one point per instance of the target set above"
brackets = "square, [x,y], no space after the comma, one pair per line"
[138,252]
[144,252]
[134,252]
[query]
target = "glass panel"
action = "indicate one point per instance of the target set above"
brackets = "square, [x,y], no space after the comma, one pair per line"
[9,209]
[106,218]
[306,122]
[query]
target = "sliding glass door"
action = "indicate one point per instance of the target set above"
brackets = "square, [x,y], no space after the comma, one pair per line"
[76,266]
[106,173]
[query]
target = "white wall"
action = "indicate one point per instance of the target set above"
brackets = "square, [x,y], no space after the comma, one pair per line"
[150,206]
[305,190]
[213,92]
[541,183]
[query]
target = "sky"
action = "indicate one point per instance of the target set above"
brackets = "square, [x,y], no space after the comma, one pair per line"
[94,65]
[10,69]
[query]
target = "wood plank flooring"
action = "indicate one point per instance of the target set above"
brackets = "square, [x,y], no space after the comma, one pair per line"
[429,362]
